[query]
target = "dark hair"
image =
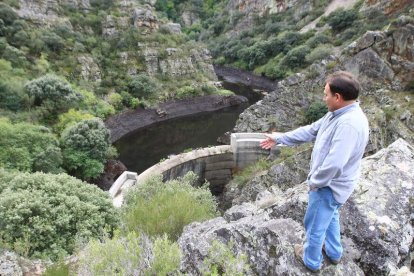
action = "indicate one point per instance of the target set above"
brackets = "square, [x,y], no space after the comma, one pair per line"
[345,84]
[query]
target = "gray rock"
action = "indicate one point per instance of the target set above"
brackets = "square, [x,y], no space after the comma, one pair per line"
[377,216]
[376,224]
[9,264]
[89,69]
[144,19]
[172,28]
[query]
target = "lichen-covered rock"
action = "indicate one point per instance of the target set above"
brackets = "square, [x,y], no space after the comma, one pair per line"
[376,222]
[379,213]
[12,264]
[172,28]
[89,69]
[144,19]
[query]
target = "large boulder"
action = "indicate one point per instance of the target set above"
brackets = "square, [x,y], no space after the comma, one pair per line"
[376,222]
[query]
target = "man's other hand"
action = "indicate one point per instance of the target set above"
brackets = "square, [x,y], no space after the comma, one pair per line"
[268,142]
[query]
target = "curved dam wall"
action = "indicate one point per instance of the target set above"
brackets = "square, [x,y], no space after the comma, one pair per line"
[214,164]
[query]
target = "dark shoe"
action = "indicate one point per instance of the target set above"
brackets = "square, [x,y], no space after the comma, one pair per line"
[334,262]
[298,248]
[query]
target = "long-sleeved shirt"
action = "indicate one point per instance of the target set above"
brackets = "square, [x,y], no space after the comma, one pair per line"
[340,140]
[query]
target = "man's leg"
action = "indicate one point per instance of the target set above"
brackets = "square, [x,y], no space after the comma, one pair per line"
[333,247]
[320,211]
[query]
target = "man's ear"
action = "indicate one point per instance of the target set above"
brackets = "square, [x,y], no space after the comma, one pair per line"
[338,96]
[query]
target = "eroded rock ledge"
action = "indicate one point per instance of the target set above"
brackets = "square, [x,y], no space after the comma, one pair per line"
[133,120]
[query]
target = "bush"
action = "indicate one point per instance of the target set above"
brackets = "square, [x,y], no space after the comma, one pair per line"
[43,215]
[222,261]
[341,19]
[11,96]
[134,254]
[315,111]
[85,147]
[142,86]
[53,93]
[70,118]
[296,57]
[319,53]
[317,40]
[28,147]
[157,208]
[7,14]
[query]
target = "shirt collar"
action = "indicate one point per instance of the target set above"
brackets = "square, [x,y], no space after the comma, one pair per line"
[344,109]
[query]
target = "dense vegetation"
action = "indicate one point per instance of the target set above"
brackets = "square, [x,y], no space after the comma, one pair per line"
[45,215]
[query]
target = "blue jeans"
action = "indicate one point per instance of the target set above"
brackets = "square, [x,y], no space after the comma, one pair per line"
[322,226]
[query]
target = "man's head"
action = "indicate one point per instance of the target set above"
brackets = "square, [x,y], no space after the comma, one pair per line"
[341,89]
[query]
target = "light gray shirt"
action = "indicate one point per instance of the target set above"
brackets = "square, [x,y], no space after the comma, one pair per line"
[340,140]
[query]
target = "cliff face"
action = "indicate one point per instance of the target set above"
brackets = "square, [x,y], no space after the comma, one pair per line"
[156,57]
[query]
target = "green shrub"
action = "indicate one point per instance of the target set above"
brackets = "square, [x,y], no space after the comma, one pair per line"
[157,208]
[341,19]
[142,86]
[53,93]
[243,176]
[319,53]
[28,147]
[70,118]
[222,261]
[85,147]
[315,111]
[7,14]
[133,254]
[43,215]
[186,91]
[11,96]
[296,57]
[317,40]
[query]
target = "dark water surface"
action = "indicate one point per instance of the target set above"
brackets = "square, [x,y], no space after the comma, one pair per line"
[144,148]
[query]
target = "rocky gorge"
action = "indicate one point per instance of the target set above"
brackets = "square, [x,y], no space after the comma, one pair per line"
[262,219]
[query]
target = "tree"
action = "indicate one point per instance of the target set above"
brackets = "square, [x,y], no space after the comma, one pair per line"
[7,14]
[43,215]
[28,147]
[85,147]
[52,93]
[341,19]
[142,86]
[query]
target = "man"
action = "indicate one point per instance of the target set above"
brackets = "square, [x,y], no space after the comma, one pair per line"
[340,140]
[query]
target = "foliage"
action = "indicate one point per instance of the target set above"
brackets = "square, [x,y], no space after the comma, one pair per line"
[222,261]
[315,111]
[341,19]
[296,57]
[28,147]
[55,95]
[167,257]
[43,215]
[85,147]
[70,118]
[319,53]
[7,14]
[243,176]
[142,86]
[133,254]
[157,208]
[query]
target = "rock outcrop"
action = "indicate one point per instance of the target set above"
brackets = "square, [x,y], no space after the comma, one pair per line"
[376,225]
[12,264]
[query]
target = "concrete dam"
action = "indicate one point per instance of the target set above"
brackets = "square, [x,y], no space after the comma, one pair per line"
[214,164]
